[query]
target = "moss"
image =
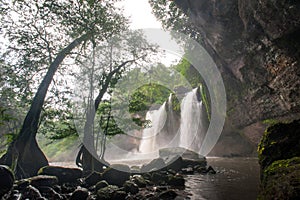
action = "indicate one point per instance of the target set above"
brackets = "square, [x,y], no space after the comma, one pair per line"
[280,141]
[281,180]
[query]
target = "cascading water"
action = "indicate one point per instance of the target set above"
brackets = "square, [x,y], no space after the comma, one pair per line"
[157,119]
[170,130]
[191,127]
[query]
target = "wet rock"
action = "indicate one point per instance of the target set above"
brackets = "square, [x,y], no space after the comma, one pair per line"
[93,179]
[107,193]
[159,177]
[80,193]
[117,174]
[174,162]
[50,193]
[169,194]
[210,170]
[6,180]
[279,142]
[32,193]
[188,170]
[179,151]
[101,184]
[153,165]
[43,180]
[119,195]
[177,180]
[139,180]
[194,162]
[64,175]
[280,180]
[131,187]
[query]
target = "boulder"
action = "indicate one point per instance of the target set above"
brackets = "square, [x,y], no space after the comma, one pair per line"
[117,174]
[131,187]
[279,159]
[43,180]
[107,193]
[139,180]
[174,162]
[64,175]
[167,195]
[177,180]
[93,179]
[32,193]
[153,165]
[101,184]
[7,180]
[279,142]
[281,180]
[80,193]
[159,177]
[184,153]
[50,193]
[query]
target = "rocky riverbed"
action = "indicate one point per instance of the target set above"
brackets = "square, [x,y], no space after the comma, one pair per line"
[161,178]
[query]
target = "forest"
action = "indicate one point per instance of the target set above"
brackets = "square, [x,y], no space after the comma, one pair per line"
[91,109]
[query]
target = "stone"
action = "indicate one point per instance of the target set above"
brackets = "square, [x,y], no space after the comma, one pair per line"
[119,195]
[188,170]
[64,175]
[281,180]
[50,193]
[101,184]
[184,153]
[43,180]
[107,193]
[211,170]
[159,177]
[279,142]
[131,187]
[80,193]
[32,193]
[153,165]
[7,180]
[117,174]
[177,180]
[174,162]
[167,195]
[139,180]
[92,179]
[194,162]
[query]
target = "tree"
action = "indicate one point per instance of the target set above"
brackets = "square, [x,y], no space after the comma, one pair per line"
[112,59]
[173,18]
[42,36]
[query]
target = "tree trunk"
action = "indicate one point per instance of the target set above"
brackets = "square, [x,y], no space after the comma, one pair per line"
[24,154]
[87,157]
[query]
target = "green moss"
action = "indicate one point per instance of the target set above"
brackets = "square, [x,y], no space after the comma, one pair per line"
[280,141]
[281,180]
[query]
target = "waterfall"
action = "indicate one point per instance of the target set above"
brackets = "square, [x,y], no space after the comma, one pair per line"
[191,126]
[169,129]
[157,119]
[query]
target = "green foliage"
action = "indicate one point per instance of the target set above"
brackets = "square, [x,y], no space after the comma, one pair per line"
[189,72]
[173,18]
[106,121]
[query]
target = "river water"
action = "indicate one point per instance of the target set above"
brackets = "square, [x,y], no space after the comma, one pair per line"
[236,179]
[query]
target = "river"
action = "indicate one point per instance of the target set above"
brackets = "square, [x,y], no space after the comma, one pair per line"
[236,179]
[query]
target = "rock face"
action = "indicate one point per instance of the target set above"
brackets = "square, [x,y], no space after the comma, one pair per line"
[279,158]
[256,46]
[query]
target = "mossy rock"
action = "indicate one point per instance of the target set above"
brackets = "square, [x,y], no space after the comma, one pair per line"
[281,180]
[280,141]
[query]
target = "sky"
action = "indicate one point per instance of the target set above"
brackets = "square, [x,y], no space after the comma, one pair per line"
[141,17]
[140,12]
